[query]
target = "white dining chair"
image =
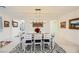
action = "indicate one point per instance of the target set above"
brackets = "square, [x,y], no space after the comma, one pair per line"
[37,42]
[47,42]
[27,42]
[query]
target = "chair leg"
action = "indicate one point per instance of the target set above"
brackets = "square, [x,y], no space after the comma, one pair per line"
[46,47]
[41,47]
[31,48]
[34,47]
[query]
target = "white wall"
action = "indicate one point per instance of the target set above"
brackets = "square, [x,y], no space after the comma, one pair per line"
[54,28]
[68,38]
[5,34]
[8,32]
[30,29]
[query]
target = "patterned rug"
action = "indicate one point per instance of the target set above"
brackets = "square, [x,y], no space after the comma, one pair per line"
[56,49]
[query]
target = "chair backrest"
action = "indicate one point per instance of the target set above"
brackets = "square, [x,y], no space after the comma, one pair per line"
[28,36]
[47,36]
[37,36]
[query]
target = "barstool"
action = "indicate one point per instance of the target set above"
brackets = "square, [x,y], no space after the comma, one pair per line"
[47,42]
[37,42]
[28,43]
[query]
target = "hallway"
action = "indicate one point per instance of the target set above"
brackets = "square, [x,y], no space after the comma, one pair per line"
[33,29]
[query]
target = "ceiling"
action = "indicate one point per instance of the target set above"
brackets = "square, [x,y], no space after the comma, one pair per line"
[29,11]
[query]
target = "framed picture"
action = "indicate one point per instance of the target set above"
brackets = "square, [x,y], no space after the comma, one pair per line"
[6,23]
[74,23]
[1,24]
[63,24]
[37,24]
[14,24]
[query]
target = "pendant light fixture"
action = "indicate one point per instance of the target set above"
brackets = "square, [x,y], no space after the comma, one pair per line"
[38,14]
[37,21]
